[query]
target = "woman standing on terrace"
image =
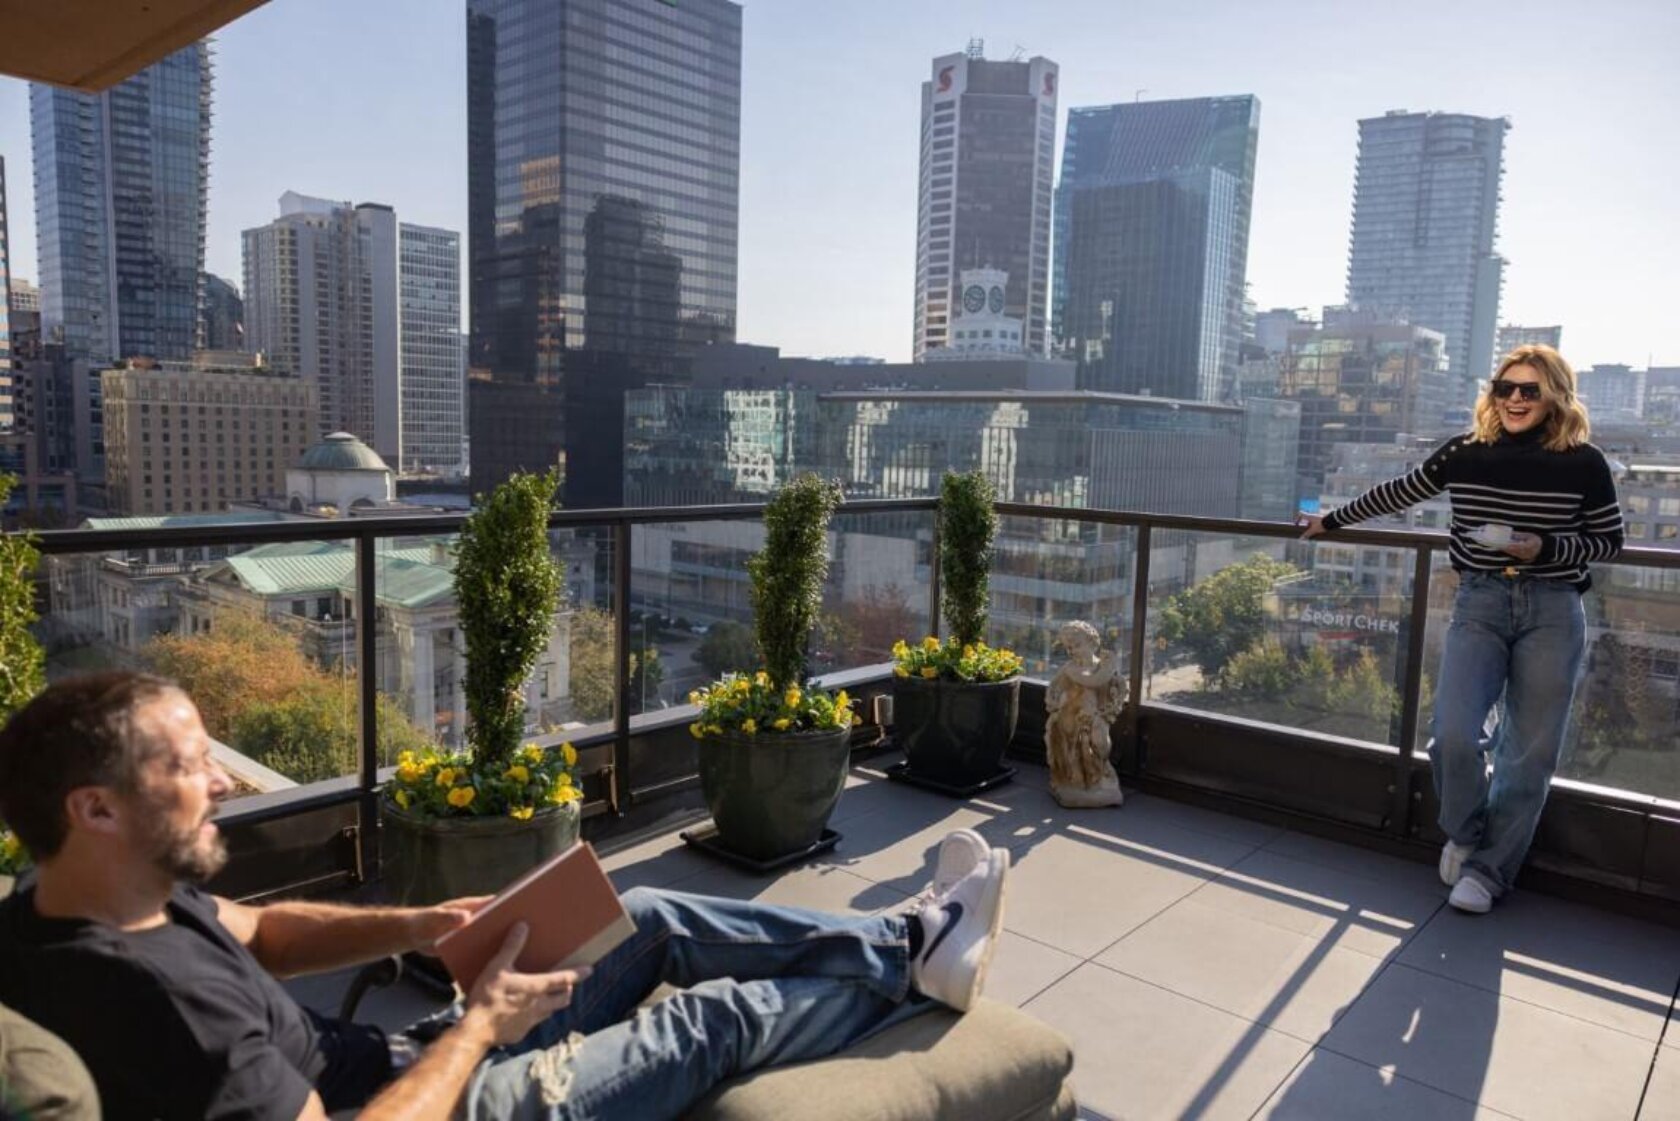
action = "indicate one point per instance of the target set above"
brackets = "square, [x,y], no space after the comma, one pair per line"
[1532,505]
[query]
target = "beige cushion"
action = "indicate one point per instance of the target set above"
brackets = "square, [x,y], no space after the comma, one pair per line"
[994,1064]
[40,1076]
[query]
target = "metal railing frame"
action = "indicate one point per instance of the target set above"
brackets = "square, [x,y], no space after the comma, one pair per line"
[365,534]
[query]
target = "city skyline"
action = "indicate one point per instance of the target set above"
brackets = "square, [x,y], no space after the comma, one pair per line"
[1595,272]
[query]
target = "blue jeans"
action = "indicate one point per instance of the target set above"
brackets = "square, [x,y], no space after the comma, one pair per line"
[1524,638]
[761,985]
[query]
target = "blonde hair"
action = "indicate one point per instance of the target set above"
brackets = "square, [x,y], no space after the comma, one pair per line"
[1566,422]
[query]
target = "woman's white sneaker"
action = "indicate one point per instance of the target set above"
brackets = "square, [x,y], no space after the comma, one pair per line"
[1453,856]
[1470,895]
[960,930]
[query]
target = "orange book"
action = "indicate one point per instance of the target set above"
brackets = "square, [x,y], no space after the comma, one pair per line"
[571,909]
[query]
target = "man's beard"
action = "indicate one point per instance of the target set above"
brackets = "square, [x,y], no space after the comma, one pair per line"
[184,854]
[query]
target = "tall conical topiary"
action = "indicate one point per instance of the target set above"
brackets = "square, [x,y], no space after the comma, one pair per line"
[967,526]
[788,574]
[507,587]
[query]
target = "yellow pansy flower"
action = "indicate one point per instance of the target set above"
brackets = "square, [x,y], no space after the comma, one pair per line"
[792,696]
[518,774]
[968,651]
[408,772]
[523,813]
[697,730]
[749,726]
[930,644]
[929,672]
[569,754]
[461,797]
[900,648]
[405,759]
[446,777]
[532,754]
[781,725]
[842,699]
[761,678]
[901,671]
[694,696]
[401,798]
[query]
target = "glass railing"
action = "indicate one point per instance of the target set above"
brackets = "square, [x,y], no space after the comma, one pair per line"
[1335,643]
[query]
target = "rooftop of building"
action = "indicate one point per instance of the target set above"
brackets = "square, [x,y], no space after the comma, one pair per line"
[340,451]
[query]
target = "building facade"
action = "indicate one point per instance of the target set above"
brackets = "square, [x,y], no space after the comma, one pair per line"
[121,202]
[1363,378]
[321,302]
[603,152]
[224,315]
[432,389]
[1612,392]
[1511,336]
[1425,221]
[988,144]
[7,419]
[188,438]
[1154,206]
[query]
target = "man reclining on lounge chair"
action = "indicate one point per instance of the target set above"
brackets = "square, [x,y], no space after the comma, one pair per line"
[169,994]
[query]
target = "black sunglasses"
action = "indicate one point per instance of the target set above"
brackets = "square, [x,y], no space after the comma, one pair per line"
[1529,390]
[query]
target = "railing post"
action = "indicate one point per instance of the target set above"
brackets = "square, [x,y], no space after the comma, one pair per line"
[1401,804]
[933,577]
[367,659]
[1140,619]
[619,787]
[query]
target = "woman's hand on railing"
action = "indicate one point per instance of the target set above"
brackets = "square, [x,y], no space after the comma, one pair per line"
[1312,525]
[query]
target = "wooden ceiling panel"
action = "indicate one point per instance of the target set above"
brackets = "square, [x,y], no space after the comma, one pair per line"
[92,44]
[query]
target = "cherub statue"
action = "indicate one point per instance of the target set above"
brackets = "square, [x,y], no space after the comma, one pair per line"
[1084,698]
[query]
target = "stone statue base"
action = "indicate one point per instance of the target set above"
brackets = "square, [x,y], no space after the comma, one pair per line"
[1105,793]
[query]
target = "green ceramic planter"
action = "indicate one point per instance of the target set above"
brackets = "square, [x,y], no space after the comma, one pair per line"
[955,732]
[429,860]
[771,794]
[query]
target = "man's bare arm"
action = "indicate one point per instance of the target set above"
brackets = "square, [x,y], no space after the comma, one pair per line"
[293,937]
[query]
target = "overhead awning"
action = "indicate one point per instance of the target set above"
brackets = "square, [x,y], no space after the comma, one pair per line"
[92,44]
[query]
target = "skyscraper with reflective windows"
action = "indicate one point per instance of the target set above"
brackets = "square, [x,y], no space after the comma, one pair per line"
[987,154]
[121,196]
[1425,217]
[603,153]
[121,193]
[1152,222]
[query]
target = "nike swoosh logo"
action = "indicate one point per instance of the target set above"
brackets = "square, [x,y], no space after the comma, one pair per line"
[953,915]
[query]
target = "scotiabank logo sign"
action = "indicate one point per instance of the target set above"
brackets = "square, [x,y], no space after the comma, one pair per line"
[1347,620]
[943,85]
[1050,84]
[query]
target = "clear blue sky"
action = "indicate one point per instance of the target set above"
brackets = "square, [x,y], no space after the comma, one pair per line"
[365,101]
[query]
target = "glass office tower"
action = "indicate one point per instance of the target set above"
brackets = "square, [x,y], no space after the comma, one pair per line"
[1151,231]
[1425,216]
[603,151]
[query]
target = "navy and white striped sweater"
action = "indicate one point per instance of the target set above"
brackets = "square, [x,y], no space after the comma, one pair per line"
[1568,498]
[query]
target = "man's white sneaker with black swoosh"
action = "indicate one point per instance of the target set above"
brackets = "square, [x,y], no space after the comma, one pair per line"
[960,929]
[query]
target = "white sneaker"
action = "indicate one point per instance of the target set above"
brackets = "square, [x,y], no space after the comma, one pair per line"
[959,932]
[1470,895]
[961,852]
[1453,856]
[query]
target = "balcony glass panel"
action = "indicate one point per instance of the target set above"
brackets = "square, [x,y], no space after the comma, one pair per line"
[264,639]
[1274,630]
[1049,572]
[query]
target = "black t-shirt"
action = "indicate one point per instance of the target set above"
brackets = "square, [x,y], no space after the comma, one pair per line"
[180,1021]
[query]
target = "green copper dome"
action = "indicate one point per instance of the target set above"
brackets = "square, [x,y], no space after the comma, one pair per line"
[341,451]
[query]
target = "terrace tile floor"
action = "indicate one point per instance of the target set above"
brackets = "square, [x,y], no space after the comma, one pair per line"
[1208,967]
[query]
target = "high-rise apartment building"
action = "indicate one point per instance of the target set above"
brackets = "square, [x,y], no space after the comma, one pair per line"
[224,315]
[321,302]
[121,194]
[191,437]
[603,154]
[1425,220]
[987,154]
[121,199]
[433,391]
[1152,244]
[369,310]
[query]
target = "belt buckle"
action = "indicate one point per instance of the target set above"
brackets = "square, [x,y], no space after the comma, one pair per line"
[1510,572]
